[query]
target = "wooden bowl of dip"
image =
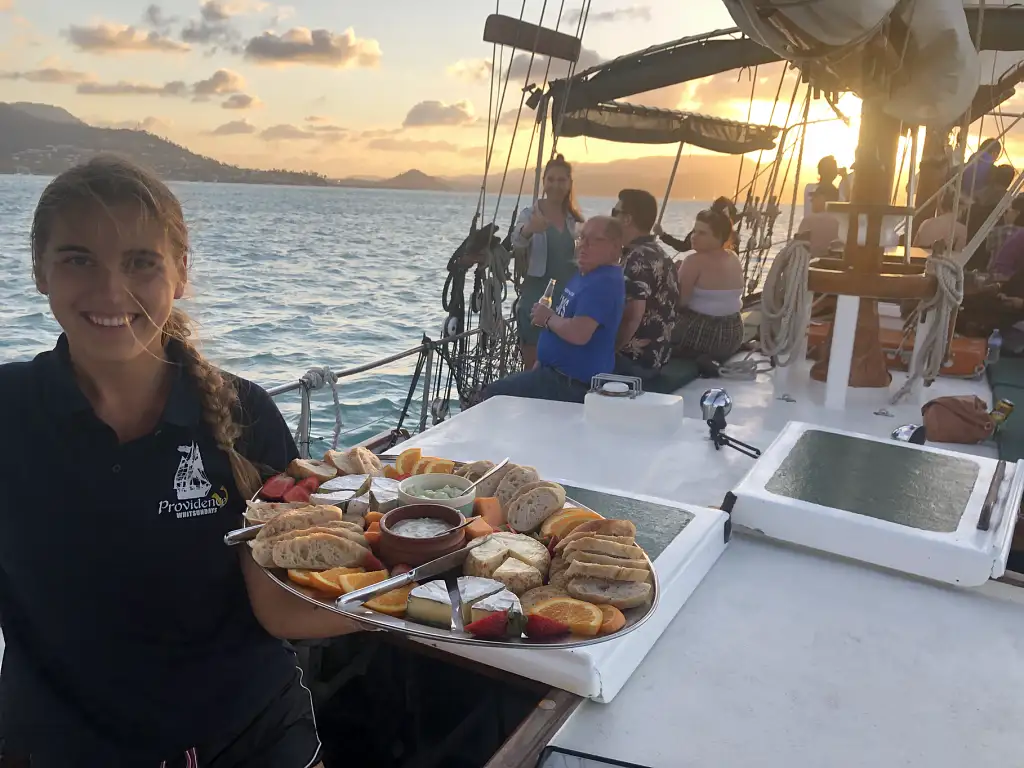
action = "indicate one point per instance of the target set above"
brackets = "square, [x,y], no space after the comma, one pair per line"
[403,531]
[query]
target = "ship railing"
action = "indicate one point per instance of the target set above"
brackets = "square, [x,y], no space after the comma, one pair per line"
[445,357]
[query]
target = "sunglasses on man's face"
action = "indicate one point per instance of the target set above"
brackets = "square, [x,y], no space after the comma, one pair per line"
[616,212]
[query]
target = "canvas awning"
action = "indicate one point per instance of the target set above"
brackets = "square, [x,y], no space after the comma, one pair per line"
[633,124]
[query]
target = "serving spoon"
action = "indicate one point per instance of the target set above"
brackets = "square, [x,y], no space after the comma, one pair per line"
[472,486]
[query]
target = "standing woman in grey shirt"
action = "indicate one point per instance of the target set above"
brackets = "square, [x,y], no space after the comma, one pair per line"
[547,233]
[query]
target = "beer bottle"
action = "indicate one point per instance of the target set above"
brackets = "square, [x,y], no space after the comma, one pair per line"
[549,294]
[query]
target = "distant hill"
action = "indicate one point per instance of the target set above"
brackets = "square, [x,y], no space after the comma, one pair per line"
[414,179]
[47,112]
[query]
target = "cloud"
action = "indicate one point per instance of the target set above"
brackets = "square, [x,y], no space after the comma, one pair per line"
[316,119]
[214,27]
[473,70]
[221,82]
[411,145]
[176,89]
[428,113]
[118,38]
[318,47]
[281,14]
[376,133]
[286,133]
[630,13]
[240,101]
[50,76]
[155,19]
[234,128]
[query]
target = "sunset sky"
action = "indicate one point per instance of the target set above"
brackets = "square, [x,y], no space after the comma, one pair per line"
[343,88]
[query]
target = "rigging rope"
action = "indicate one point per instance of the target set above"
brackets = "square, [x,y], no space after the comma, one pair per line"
[949,292]
[311,380]
[786,303]
[556,130]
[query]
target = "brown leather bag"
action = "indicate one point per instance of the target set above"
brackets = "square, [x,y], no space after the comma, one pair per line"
[960,419]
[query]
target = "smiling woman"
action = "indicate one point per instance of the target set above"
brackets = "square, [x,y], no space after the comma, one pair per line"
[173,659]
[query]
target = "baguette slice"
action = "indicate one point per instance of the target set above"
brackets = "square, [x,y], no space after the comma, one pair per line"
[263,550]
[294,519]
[318,551]
[582,556]
[264,511]
[579,569]
[532,508]
[489,487]
[619,548]
[530,486]
[621,594]
[355,461]
[514,480]
[475,470]
[303,468]
[622,528]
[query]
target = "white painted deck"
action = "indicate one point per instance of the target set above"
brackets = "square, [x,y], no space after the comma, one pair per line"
[781,657]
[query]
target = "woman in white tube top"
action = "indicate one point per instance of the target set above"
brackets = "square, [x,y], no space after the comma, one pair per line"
[709,324]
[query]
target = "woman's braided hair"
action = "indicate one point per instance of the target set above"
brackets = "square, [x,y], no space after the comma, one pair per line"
[107,181]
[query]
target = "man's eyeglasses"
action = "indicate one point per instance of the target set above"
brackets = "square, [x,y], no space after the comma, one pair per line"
[616,212]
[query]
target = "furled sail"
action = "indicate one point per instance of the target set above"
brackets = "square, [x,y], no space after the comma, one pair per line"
[916,57]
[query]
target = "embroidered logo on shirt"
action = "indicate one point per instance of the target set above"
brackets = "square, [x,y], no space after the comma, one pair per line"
[192,487]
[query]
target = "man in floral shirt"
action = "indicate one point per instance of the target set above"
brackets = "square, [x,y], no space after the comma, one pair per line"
[644,342]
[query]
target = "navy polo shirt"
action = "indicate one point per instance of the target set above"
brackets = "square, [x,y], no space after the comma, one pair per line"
[129,632]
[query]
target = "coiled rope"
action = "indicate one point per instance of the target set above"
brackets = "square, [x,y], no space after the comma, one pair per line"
[785,303]
[949,292]
[311,380]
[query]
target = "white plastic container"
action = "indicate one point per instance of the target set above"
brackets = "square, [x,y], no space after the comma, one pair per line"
[647,413]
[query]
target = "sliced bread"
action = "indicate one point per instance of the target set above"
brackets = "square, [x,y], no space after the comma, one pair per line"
[621,528]
[263,550]
[536,484]
[580,555]
[540,594]
[303,468]
[580,569]
[513,480]
[489,487]
[619,548]
[294,519]
[355,461]
[530,509]
[621,594]
[265,511]
[475,470]
[317,551]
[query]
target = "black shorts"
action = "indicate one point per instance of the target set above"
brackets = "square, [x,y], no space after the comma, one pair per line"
[283,735]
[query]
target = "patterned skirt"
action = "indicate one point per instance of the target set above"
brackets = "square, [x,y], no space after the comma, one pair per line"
[719,337]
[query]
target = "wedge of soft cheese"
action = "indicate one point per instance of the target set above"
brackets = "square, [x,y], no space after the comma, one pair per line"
[430,604]
[484,558]
[340,490]
[518,576]
[502,601]
[526,549]
[472,589]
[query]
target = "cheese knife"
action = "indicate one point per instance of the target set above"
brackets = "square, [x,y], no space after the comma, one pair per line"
[420,573]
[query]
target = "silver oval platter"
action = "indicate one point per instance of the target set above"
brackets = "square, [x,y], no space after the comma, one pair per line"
[455,632]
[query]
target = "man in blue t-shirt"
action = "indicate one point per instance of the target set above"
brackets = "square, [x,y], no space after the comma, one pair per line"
[578,340]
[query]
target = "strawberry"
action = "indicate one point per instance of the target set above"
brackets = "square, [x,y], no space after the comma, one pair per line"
[311,484]
[296,493]
[276,487]
[538,626]
[371,563]
[492,626]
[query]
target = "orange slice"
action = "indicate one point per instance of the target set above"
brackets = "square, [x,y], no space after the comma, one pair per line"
[440,467]
[614,620]
[392,603]
[333,573]
[350,582]
[422,464]
[391,473]
[565,521]
[581,618]
[301,577]
[322,583]
[406,461]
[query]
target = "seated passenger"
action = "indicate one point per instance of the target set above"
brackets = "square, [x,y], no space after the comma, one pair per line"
[1004,265]
[577,340]
[822,227]
[709,324]
[942,226]
[644,340]
[722,205]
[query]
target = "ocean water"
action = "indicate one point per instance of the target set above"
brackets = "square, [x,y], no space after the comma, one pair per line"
[289,278]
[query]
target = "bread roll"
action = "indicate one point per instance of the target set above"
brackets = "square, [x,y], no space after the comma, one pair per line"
[293,519]
[355,461]
[263,550]
[621,594]
[318,551]
[530,509]
[622,528]
[578,568]
[303,468]
[513,480]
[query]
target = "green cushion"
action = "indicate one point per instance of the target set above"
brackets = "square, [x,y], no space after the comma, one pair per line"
[1007,380]
[676,373]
